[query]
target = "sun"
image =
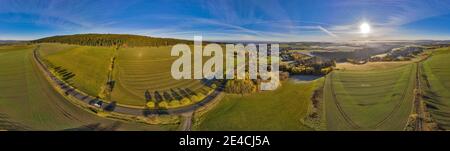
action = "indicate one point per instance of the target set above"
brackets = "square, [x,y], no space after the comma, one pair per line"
[364,28]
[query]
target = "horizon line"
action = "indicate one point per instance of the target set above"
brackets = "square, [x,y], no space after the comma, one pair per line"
[227,40]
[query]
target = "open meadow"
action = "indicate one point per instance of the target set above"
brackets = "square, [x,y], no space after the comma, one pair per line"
[281,109]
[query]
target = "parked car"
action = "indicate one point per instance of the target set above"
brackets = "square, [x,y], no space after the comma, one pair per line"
[98,104]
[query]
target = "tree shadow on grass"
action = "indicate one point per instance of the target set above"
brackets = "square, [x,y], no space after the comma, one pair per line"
[183,92]
[68,76]
[147,96]
[190,92]
[65,74]
[432,100]
[7,124]
[175,94]
[167,96]
[158,97]
[97,127]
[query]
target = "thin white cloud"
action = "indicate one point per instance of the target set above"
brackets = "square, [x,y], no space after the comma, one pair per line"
[327,31]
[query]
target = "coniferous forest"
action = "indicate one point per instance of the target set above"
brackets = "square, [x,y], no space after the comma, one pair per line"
[112,40]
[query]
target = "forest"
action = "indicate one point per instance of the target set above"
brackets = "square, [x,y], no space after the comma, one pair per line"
[112,40]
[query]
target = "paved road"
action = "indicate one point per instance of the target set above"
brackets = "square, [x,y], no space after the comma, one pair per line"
[84,98]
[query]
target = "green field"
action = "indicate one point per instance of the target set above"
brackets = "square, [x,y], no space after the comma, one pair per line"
[281,109]
[28,102]
[369,100]
[436,86]
[89,65]
[147,69]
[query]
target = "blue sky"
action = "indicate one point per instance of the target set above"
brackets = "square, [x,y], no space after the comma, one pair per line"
[268,20]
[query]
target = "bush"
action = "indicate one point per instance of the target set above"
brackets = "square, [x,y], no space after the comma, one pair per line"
[210,91]
[284,76]
[102,114]
[214,86]
[197,98]
[240,86]
[163,104]
[327,70]
[150,104]
[185,101]
[201,96]
[174,103]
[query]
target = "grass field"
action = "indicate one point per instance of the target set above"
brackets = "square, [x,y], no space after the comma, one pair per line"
[369,100]
[89,65]
[28,102]
[371,65]
[147,68]
[281,109]
[436,86]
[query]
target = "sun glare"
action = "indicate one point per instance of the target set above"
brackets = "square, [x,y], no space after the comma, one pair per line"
[364,28]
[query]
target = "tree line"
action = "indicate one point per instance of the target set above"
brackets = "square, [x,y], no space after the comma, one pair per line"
[309,66]
[112,40]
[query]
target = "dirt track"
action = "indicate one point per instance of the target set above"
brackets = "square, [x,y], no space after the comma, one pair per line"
[338,105]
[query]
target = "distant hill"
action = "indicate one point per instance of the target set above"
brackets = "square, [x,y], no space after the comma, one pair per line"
[11,41]
[111,40]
